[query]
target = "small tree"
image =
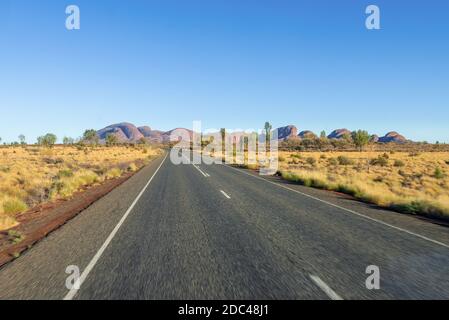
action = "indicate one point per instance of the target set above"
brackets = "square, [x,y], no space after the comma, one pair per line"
[111,139]
[323,141]
[223,142]
[67,141]
[360,138]
[91,136]
[347,138]
[267,128]
[48,140]
[22,139]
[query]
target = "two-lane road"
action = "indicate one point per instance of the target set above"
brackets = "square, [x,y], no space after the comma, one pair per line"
[215,232]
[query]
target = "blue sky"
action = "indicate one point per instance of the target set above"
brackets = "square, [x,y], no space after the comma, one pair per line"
[228,63]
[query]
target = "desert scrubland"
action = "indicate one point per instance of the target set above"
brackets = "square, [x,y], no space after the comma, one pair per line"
[411,182]
[31,175]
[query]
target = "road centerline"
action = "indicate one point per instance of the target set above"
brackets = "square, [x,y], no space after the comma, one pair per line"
[202,172]
[225,194]
[206,175]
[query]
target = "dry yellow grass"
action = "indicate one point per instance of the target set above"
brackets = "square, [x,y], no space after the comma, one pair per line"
[32,175]
[409,182]
[412,182]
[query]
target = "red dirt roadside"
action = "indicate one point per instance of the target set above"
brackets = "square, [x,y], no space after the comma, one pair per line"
[38,222]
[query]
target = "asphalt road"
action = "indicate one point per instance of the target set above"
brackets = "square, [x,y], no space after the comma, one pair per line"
[216,232]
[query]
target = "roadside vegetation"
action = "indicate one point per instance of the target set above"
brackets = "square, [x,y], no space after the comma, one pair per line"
[415,183]
[407,182]
[359,140]
[34,174]
[405,177]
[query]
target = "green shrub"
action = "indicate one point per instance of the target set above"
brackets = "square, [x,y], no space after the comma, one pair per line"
[14,206]
[65,173]
[64,190]
[379,161]
[438,173]
[345,161]
[399,163]
[5,169]
[378,179]
[16,236]
[421,207]
[311,161]
[58,186]
[333,161]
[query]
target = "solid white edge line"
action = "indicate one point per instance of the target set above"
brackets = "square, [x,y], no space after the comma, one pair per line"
[323,286]
[225,194]
[347,210]
[71,294]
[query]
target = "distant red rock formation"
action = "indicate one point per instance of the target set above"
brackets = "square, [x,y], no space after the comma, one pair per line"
[287,132]
[127,132]
[339,133]
[393,137]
